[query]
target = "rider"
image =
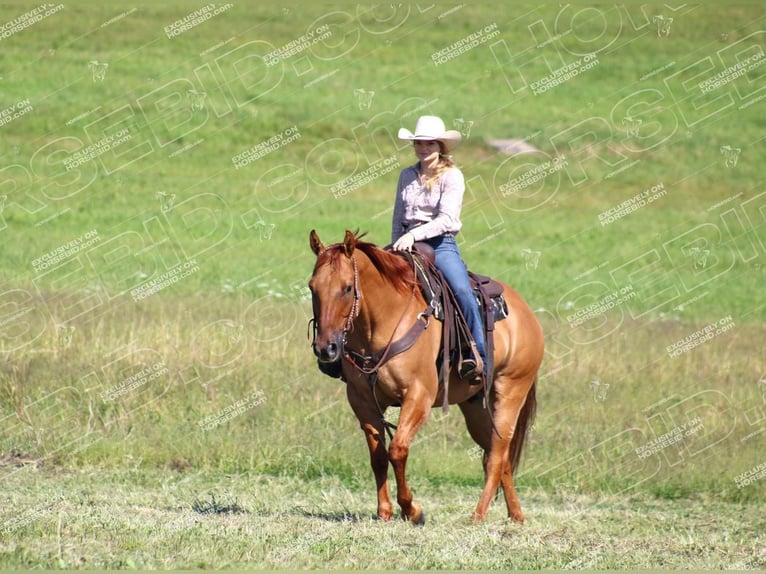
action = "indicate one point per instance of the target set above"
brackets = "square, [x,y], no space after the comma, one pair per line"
[429,198]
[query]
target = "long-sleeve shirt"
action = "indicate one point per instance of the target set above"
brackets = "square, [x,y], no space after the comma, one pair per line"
[425,213]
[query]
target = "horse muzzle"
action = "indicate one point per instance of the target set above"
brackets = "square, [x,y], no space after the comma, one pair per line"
[330,350]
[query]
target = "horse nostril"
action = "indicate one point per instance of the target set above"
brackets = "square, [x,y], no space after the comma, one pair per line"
[328,353]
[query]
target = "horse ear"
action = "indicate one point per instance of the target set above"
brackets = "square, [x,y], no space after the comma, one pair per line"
[316,244]
[349,243]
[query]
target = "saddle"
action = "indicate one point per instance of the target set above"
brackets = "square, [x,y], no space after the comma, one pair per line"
[457,340]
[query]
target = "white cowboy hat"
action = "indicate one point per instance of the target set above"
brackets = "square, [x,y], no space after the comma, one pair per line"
[431,128]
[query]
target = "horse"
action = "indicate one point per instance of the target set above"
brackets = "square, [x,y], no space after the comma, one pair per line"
[366,300]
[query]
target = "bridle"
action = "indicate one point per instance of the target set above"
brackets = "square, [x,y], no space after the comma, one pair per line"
[353,312]
[369,365]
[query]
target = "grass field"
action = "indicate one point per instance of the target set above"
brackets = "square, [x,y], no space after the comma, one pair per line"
[161,167]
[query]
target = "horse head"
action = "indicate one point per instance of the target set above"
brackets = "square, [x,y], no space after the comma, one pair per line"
[335,295]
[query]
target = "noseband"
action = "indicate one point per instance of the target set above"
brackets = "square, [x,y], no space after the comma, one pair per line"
[370,364]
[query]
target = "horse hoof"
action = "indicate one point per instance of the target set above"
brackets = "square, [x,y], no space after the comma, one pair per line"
[418,517]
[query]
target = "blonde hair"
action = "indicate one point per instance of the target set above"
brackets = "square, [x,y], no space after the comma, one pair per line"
[445,163]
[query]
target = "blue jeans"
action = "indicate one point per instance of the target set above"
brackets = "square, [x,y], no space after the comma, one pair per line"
[451,264]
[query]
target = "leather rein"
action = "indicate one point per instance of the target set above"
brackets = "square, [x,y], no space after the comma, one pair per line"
[369,365]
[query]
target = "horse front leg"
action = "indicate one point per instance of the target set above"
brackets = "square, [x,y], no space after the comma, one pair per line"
[413,414]
[371,423]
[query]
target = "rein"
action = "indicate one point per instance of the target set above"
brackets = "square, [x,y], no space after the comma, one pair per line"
[369,365]
[362,362]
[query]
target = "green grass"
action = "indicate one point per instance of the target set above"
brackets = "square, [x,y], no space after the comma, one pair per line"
[133,517]
[108,404]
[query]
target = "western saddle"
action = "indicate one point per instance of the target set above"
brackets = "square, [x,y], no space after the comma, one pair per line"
[457,341]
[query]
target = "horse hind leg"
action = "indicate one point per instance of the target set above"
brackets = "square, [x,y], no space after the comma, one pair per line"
[521,429]
[478,423]
[479,427]
[512,412]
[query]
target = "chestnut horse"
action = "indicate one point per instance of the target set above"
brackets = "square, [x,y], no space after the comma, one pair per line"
[364,298]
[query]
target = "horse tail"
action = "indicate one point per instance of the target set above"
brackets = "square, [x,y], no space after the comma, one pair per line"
[523,426]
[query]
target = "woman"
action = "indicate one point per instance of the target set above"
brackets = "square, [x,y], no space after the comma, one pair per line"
[429,197]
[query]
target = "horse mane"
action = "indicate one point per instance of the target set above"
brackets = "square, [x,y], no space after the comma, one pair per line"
[395,268]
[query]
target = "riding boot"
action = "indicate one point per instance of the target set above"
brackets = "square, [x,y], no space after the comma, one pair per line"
[472,366]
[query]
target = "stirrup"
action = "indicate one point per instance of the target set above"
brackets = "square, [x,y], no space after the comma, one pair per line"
[471,369]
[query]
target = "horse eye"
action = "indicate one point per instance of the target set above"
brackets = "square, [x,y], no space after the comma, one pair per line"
[347,289]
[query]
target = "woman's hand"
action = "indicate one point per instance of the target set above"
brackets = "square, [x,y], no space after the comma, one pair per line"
[404,243]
